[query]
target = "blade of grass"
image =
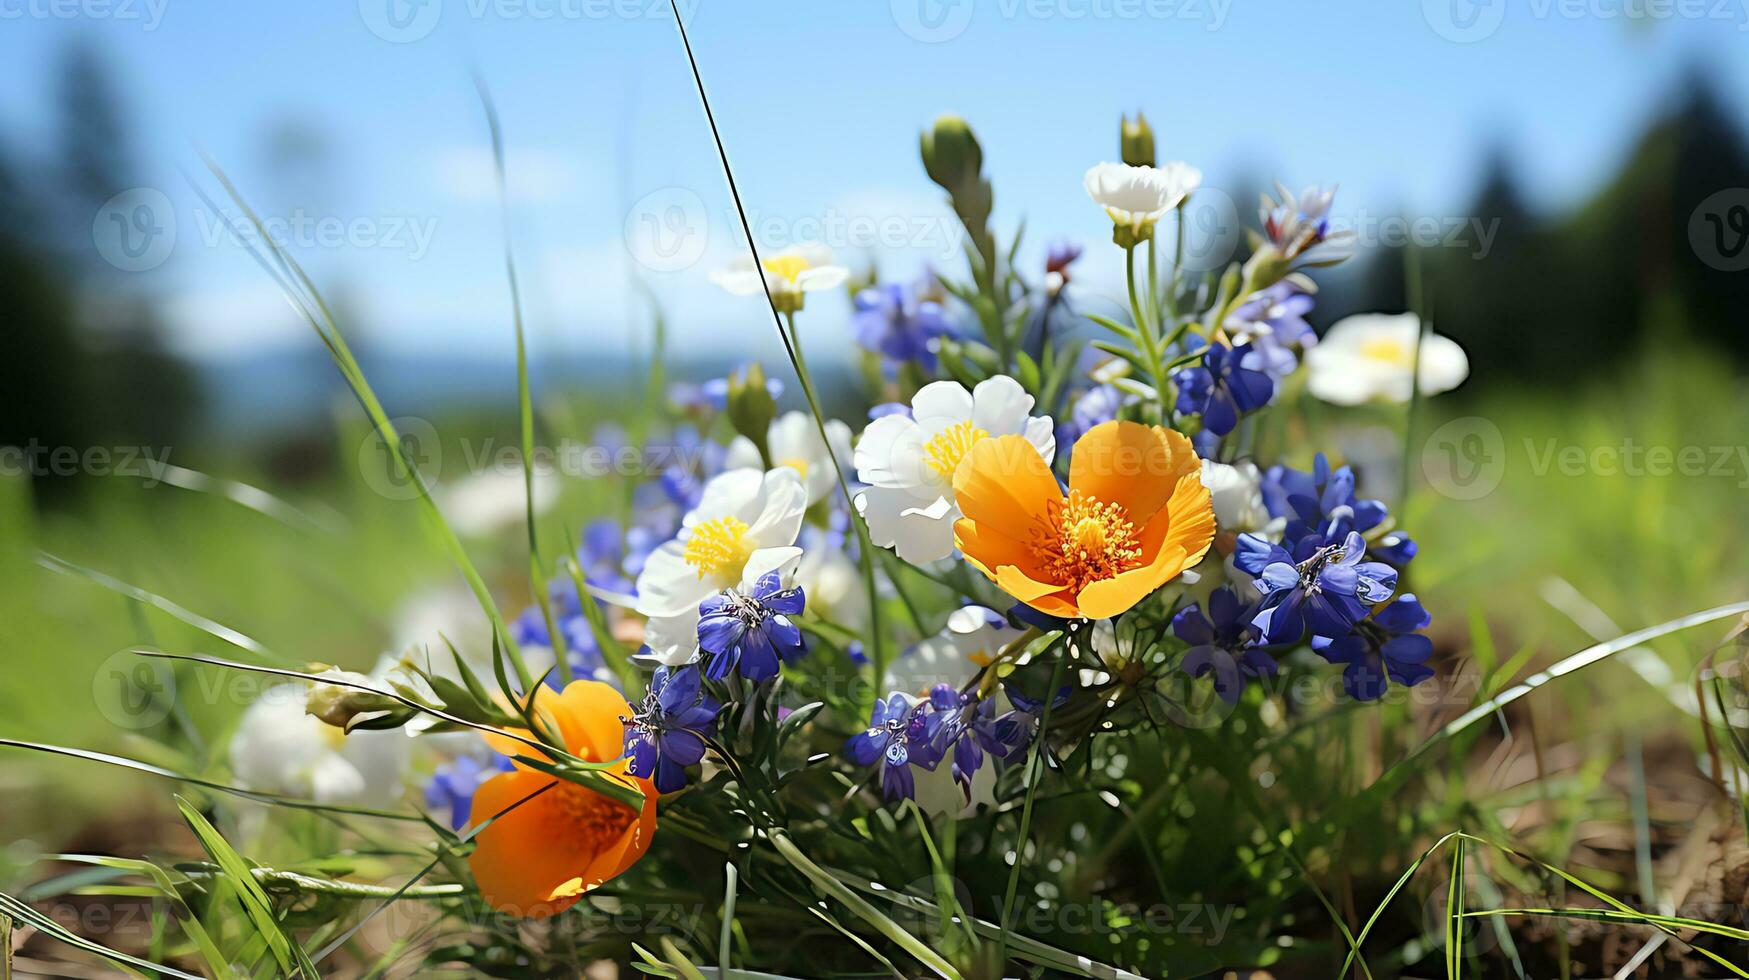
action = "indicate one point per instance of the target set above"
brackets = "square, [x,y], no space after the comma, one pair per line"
[307,301]
[256,905]
[210,627]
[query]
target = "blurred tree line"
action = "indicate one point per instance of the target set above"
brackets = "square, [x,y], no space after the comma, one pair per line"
[86,363]
[1657,255]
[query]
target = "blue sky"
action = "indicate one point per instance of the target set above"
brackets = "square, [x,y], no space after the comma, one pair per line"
[820,103]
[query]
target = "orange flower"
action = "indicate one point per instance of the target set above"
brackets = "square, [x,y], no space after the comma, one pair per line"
[1136,516]
[540,857]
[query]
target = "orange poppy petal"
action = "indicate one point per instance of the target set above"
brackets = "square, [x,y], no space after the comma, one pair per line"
[589,714]
[1177,538]
[585,717]
[538,858]
[1192,514]
[1184,460]
[1125,463]
[1003,486]
[525,855]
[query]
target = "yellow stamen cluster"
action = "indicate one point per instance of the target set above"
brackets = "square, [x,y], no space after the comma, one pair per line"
[719,547]
[789,268]
[1084,541]
[595,819]
[796,463]
[944,452]
[1390,351]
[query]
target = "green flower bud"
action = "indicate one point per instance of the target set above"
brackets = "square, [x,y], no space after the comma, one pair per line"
[951,154]
[1136,141]
[750,405]
[343,706]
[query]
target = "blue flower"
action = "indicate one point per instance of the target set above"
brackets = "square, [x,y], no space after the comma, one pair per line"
[1222,388]
[667,732]
[1323,502]
[903,732]
[1223,643]
[885,409]
[892,321]
[1273,321]
[1322,583]
[712,395]
[1385,644]
[1096,405]
[453,785]
[751,632]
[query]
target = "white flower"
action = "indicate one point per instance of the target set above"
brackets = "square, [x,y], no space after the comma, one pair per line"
[1137,197]
[1237,493]
[794,442]
[745,525]
[485,503]
[973,637]
[789,274]
[1372,356]
[909,463]
[278,748]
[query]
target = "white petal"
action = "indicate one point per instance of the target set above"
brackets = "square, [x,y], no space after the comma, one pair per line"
[668,585]
[1444,365]
[999,406]
[896,521]
[1042,433]
[743,455]
[780,519]
[736,493]
[673,640]
[822,277]
[783,560]
[890,453]
[739,282]
[940,404]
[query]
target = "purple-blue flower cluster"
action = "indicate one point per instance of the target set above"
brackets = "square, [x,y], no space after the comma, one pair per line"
[949,726]
[667,732]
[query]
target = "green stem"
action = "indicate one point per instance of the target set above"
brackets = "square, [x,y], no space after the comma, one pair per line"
[1032,774]
[865,549]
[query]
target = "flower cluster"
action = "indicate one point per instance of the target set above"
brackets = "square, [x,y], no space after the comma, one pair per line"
[1020,512]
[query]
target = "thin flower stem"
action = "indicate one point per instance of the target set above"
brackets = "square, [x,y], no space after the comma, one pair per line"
[865,549]
[1145,328]
[1032,775]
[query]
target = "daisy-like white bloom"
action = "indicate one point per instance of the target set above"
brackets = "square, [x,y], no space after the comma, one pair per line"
[909,463]
[1137,197]
[1372,357]
[790,273]
[794,442]
[745,525]
[280,748]
[973,637]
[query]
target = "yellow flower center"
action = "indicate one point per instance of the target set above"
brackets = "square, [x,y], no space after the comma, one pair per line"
[795,463]
[789,268]
[1390,351]
[1084,540]
[591,817]
[719,547]
[944,452]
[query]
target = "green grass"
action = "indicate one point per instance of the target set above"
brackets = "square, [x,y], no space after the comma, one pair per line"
[1287,833]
